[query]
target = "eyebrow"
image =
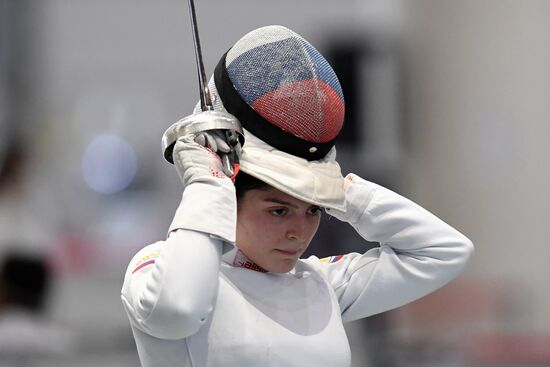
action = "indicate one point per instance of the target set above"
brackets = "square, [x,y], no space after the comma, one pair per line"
[282,202]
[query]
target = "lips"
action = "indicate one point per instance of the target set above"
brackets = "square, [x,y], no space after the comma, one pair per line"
[288,252]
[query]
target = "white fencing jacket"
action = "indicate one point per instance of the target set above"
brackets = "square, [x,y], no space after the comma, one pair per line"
[191,305]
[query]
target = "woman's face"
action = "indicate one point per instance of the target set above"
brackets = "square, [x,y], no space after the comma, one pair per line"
[274,229]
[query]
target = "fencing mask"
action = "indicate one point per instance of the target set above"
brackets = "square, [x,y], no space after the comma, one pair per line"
[291,107]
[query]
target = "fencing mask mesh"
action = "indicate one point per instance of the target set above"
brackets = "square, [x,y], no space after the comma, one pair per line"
[283,91]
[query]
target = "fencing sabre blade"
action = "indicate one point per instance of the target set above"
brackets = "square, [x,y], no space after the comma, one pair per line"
[208,118]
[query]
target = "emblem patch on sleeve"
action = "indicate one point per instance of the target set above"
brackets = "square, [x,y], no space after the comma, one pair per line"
[146,260]
[331,259]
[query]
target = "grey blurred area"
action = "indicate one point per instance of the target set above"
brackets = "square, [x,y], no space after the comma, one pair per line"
[447,103]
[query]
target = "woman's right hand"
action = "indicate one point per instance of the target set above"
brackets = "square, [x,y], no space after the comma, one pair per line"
[199,162]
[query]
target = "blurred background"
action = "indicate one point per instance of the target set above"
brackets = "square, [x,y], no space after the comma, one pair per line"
[447,103]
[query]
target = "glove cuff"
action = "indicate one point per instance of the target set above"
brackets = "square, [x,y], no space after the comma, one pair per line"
[208,207]
[358,196]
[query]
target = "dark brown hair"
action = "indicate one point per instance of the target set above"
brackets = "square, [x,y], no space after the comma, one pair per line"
[244,182]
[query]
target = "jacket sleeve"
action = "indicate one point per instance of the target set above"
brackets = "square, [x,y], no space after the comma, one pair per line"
[418,252]
[170,287]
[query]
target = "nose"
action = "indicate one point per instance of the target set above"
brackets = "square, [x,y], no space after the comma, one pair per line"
[298,230]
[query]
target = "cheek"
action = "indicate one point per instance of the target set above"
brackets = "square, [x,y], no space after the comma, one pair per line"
[314,227]
[257,227]
[269,231]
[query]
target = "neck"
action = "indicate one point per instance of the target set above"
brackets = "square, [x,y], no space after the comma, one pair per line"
[238,259]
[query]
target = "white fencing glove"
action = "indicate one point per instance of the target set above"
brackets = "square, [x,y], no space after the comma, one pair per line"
[354,206]
[210,204]
[213,140]
[196,157]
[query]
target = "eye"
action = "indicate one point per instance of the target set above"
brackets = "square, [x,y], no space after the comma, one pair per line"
[314,210]
[278,212]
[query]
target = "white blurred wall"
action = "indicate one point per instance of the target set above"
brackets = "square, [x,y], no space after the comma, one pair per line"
[479,113]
